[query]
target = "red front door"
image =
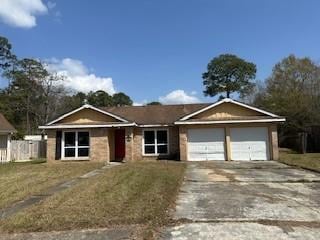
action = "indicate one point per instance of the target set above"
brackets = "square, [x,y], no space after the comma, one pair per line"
[119,142]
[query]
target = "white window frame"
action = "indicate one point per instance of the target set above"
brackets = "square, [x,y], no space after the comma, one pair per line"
[155,144]
[76,147]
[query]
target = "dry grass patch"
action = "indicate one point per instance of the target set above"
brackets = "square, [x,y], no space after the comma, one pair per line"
[308,160]
[20,180]
[133,193]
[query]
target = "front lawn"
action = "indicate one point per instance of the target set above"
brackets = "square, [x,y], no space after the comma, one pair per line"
[308,160]
[20,180]
[133,193]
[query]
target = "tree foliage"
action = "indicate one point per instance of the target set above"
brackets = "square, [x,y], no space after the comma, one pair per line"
[227,74]
[34,95]
[293,91]
[154,103]
[121,99]
[7,58]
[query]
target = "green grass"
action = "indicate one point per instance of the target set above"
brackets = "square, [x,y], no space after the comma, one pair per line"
[308,160]
[20,180]
[133,193]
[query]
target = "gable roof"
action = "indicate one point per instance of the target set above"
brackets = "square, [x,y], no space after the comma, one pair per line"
[228,100]
[87,106]
[5,126]
[155,114]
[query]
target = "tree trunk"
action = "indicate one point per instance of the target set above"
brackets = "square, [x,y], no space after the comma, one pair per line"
[228,94]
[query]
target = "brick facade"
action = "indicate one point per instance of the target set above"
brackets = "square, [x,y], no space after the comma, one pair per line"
[51,146]
[102,143]
[99,145]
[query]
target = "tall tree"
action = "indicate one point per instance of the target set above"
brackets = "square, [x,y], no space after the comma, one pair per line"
[227,74]
[293,90]
[26,90]
[99,98]
[6,56]
[121,99]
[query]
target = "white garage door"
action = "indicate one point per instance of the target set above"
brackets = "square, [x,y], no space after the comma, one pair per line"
[206,144]
[249,143]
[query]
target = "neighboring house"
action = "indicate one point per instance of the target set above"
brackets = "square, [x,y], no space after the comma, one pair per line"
[225,130]
[6,130]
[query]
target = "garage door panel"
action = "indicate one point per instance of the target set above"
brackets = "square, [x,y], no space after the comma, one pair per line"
[206,144]
[249,143]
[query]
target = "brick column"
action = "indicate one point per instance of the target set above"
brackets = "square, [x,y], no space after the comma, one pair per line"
[51,146]
[227,143]
[129,144]
[273,139]
[183,143]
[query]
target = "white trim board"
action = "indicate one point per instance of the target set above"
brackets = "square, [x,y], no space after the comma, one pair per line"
[87,126]
[86,106]
[231,121]
[227,100]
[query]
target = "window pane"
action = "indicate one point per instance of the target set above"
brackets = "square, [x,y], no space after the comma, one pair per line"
[163,149]
[69,152]
[149,137]
[162,136]
[83,138]
[149,149]
[83,152]
[70,139]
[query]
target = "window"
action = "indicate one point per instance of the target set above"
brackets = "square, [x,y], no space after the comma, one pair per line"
[155,142]
[76,144]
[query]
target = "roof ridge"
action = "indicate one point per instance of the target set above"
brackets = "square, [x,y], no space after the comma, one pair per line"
[162,105]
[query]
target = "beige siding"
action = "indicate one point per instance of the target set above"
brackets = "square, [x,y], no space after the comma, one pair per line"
[88,116]
[226,110]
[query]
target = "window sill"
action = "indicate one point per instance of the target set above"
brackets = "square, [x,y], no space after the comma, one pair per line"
[155,155]
[76,159]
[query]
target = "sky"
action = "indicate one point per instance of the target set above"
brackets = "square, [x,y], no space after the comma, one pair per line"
[157,50]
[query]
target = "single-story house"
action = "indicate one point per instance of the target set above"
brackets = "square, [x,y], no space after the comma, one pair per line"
[6,131]
[225,130]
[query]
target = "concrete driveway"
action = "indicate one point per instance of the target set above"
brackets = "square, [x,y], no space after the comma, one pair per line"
[247,200]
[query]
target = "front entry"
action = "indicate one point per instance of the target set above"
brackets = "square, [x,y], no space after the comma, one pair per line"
[119,142]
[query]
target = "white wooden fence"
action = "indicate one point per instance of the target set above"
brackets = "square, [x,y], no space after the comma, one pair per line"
[24,150]
[3,155]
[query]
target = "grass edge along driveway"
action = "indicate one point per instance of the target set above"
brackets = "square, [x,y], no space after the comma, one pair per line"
[133,193]
[309,161]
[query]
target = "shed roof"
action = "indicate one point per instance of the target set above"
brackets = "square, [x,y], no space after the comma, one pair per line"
[5,126]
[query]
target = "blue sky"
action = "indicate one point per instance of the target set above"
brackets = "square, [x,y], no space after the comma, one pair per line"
[149,49]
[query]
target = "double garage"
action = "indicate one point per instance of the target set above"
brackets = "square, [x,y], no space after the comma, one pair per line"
[234,143]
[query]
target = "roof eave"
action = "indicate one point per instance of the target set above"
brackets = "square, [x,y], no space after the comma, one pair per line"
[230,121]
[74,126]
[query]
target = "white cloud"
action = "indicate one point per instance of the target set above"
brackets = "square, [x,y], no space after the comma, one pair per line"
[142,103]
[178,96]
[78,77]
[21,13]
